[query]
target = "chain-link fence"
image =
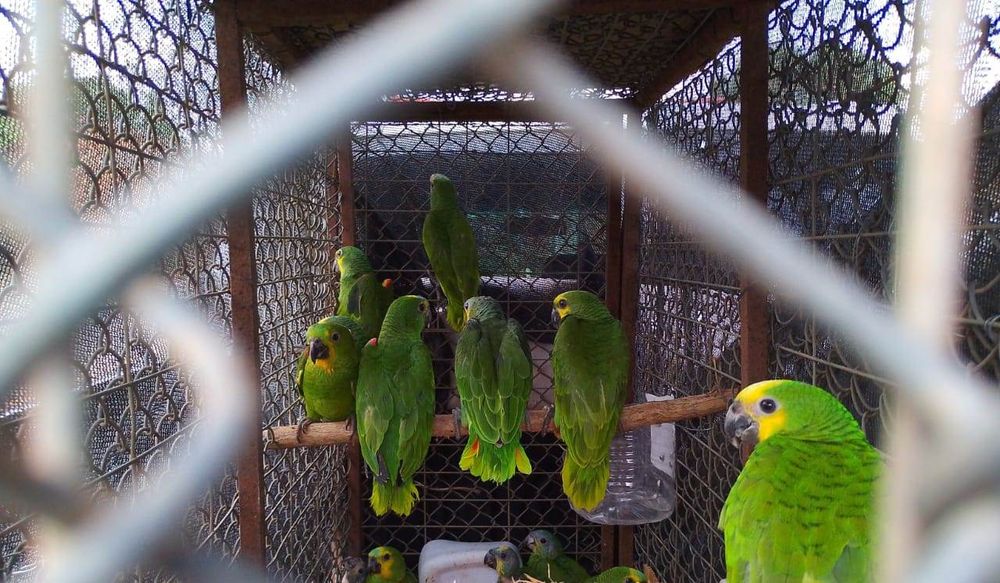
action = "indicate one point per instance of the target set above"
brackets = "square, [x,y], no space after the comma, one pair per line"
[145,88]
[838,84]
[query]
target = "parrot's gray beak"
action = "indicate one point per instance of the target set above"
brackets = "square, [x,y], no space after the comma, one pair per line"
[529,542]
[740,427]
[373,566]
[490,560]
[555,318]
[318,350]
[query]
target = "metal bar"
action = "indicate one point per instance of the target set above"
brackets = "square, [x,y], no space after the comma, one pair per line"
[933,196]
[345,185]
[755,337]
[243,286]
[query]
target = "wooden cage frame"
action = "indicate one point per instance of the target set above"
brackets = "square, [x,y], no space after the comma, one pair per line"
[746,19]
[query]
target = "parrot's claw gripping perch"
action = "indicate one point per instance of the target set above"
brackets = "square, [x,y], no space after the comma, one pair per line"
[456,418]
[303,426]
[350,424]
[383,472]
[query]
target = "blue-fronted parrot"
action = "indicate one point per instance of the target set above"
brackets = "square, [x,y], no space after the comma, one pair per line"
[326,373]
[362,295]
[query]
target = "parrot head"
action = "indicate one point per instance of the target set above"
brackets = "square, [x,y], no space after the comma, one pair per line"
[329,339]
[351,260]
[790,408]
[578,304]
[442,192]
[543,544]
[481,307]
[355,570]
[407,314]
[387,563]
[505,560]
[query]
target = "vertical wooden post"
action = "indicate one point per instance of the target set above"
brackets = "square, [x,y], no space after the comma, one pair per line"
[755,331]
[243,287]
[348,236]
[628,312]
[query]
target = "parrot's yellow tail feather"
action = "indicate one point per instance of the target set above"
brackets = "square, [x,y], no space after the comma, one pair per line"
[398,499]
[494,464]
[585,486]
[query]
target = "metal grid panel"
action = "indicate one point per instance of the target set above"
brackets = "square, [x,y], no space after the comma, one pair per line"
[688,327]
[538,208]
[142,91]
[297,230]
[834,129]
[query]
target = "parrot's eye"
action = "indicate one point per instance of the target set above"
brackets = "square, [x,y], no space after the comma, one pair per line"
[422,307]
[768,405]
[385,557]
[335,336]
[543,541]
[561,304]
[340,252]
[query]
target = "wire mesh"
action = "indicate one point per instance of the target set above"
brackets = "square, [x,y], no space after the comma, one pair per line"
[141,78]
[538,208]
[838,87]
[297,231]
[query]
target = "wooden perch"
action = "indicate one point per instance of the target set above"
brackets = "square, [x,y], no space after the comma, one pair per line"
[633,417]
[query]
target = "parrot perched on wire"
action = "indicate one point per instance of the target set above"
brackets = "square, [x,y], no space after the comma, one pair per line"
[326,372]
[801,509]
[506,561]
[590,363]
[386,565]
[451,248]
[362,295]
[395,405]
[619,575]
[493,374]
[355,570]
[547,561]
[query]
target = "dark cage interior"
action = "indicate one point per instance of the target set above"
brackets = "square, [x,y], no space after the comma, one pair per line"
[148,83]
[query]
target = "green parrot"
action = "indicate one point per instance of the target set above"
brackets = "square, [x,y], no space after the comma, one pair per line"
[493,373]
[451,248]
[355,570]
[386,565]
[801,509]
[395,405]
[362,295]
[326,372]
[619,575]
[506,561]
[547,561]
[590,362]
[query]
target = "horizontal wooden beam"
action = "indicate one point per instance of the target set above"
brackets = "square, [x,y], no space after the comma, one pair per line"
[718,28]
[633,417]
[268,13]
[457,111]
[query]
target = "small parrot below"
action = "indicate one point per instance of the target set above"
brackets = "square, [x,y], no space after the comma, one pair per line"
[801,508]
[590,364]
[362,295]
[619,575]
[494,375]
[506,561]
[355,570]
[326,372]
[386,565]
[451,248]
[395,405]
[547,561]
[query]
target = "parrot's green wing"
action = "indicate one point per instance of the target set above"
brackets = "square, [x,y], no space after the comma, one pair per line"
[590,365]
[375,405]
[414,388]
[567,570]
[368,301]
[810,503]
[514,382]
[439,249]
[465,256]
[300,370]
[475,378]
